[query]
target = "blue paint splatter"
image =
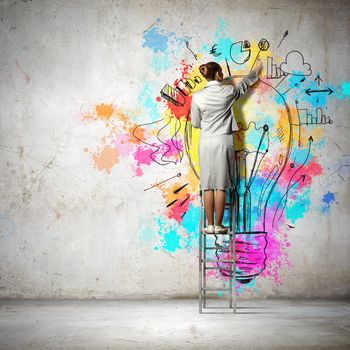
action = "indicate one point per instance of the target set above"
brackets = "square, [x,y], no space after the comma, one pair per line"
[173,237]
[155,40]
[223,44]
[191,224]
[159,41]
[327,199]
[160,62]
[170,240]
[279,99]
[316,99]
[148,103]
[345,91]
[296,208]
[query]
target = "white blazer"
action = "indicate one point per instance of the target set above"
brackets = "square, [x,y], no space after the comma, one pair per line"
[211,107]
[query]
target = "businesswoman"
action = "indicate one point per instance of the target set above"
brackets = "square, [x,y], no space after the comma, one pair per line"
[211,111]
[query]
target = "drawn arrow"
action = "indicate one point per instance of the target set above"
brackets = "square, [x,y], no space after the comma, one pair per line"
[188,46]
[318,79]
[308,91]
[289,183]
[302,177]
[284,35]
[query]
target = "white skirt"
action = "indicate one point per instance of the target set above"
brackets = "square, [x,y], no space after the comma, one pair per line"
[216,162]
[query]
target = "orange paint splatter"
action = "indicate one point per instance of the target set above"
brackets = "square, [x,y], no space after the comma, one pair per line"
[106,159]
[136,134]
[104,111]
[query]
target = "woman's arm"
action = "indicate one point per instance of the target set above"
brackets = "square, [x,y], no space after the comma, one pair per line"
[229,80]
[242,87]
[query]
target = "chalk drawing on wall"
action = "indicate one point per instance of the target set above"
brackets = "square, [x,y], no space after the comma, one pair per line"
[283,37]
[240,52]
[283,120]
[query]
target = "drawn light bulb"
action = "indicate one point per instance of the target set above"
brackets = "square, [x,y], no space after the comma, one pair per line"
[261,157]
[265,146]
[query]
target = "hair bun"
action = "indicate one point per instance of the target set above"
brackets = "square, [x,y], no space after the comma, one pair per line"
[209,69]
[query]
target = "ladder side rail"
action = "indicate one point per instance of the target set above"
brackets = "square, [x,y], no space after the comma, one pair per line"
[200,253]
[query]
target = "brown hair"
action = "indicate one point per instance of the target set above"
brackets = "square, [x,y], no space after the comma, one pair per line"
[208,70]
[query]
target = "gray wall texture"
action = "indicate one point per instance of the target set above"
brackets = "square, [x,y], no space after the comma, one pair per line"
[75,219]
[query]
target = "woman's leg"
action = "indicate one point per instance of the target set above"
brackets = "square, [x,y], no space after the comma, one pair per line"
[209,206]
[220,200]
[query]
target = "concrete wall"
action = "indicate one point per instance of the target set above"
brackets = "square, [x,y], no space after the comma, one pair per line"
[77,219]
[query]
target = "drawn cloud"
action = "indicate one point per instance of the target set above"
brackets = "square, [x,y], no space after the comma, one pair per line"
[295,64]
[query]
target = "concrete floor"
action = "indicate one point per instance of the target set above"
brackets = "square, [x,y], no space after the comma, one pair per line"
[173,324]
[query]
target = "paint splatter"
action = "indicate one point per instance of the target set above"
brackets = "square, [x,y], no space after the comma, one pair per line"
[106,158]
[327,200]
[279,148]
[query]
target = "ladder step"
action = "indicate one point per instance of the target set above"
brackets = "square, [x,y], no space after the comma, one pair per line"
[223,243]
[219,233]
[222,249]
[215,268]
[217,260]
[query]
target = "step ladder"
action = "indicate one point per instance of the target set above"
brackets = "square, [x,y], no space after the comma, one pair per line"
[218,256]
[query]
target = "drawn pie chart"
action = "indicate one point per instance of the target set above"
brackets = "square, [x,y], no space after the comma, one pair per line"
[240,51]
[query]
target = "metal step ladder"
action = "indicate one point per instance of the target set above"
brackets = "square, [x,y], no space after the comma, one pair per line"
[218,256]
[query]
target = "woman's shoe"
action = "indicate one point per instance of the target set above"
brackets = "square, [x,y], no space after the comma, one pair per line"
[220,229]
[208,229]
